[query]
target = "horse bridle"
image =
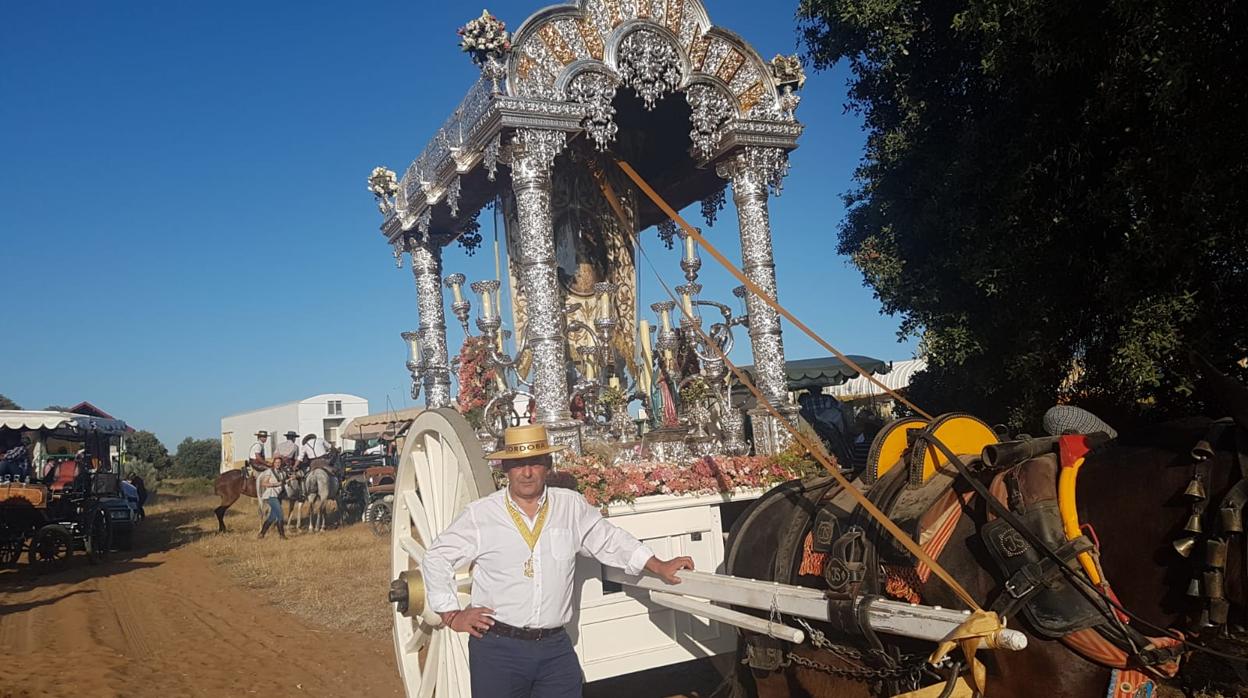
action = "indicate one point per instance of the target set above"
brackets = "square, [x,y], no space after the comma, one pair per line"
[1129,639]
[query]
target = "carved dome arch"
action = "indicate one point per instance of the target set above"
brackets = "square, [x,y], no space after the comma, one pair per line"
[554,45]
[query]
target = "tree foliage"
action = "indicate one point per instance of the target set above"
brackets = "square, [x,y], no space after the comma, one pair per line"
[197,458]
[56,408]
[7,404]
[144,446]
[1053,194]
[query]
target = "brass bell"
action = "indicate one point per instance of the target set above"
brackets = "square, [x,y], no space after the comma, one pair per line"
[1195,489]
[1219,611]
[1215,553]
[1183,546]
[1193,587]
[1232,519]
[1213,585]
[1193,523]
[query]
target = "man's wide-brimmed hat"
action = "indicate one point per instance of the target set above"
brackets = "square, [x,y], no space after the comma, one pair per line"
[262,433]
[291,434]
[525,441]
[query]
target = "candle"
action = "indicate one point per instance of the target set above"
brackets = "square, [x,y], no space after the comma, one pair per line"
[604,306]
[667,320]
[614,382]
[589,368]
[686,302]
[498,370]
[457,290]
[487,305]
[691,248]
[647,358]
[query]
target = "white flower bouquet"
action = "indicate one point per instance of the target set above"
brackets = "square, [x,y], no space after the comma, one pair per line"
[483,36]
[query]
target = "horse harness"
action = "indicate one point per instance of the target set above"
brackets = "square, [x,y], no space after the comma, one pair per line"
[1046,573]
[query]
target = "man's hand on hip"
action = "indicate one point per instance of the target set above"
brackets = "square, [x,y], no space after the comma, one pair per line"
[474,620]
[667,569]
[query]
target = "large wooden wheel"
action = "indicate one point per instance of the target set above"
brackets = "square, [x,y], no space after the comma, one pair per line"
[441,471]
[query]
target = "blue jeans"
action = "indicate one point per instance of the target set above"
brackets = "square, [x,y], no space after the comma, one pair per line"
[275,509]
[504,667]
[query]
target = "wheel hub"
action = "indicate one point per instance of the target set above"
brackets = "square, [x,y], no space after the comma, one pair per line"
[407,593]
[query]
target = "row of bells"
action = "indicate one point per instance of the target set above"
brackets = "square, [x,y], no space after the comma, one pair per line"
[1209,583]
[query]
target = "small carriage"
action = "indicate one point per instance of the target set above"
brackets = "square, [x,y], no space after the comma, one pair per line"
[67,504]
[50,524]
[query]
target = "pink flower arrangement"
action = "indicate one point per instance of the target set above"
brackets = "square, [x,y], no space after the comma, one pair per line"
[476,381]
[603,484]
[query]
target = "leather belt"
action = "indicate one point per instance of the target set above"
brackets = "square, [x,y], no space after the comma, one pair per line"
[515,633]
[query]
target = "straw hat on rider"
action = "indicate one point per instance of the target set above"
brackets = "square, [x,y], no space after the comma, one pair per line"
[262,433]
[525,441]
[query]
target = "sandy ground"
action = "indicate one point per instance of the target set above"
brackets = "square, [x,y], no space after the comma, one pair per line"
[168,621]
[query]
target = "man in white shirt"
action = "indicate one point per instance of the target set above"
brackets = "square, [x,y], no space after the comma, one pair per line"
[288,450]
[522,543]
[256,458]
[315,451]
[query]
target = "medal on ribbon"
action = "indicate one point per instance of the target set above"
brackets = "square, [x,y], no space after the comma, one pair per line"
[530,535]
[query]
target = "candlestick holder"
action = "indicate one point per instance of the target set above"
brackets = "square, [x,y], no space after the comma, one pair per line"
[461,307]
[416,362]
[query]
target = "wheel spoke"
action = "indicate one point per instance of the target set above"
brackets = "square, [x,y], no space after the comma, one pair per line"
[414,550]
[432,669]
[458,664]
[444,639]
[419,517]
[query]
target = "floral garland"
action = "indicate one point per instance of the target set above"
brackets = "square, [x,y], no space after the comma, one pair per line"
[476,380]
[603,484]
[483,36]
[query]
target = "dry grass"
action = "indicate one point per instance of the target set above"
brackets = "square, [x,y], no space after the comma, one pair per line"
[336,579]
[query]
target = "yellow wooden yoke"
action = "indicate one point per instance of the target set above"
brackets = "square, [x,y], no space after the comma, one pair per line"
[1073,449]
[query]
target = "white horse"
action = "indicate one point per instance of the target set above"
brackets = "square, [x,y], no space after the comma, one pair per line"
[319,486]
[294,491]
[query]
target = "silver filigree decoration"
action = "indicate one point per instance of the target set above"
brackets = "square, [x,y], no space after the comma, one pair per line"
[713,204]
[490,156]
[533,151]
[452,196]
[422,222]
[649,64]
[755,167]
[787,70]
[596,90]
[470,237]
[385,186]
[667,233]
[710,109]
[399,247]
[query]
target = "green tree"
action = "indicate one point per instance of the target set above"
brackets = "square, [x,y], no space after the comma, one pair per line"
[1053,195]
[197,458]
[144,446]
[7,404]
[56,408]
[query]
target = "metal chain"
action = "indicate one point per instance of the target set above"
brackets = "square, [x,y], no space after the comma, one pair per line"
[910,667]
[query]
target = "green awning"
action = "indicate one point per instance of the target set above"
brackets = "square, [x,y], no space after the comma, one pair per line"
[813,374]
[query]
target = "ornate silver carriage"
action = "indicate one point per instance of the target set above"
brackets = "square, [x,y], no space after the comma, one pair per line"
[692,109]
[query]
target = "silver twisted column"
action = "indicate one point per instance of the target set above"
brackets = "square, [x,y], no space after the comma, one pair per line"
[427,270]
[533,155]
[752,170]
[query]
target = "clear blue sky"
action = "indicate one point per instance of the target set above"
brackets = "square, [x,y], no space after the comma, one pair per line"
[186,230]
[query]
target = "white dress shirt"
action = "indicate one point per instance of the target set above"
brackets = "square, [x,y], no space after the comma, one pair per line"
[287,450]
[485,536]
[257,451]
[316,448]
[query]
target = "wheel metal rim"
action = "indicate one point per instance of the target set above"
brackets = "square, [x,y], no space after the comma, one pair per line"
[441,471]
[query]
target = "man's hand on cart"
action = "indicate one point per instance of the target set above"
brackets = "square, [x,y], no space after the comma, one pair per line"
[667,569]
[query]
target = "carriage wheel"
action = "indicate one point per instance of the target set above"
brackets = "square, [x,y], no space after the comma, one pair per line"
[10,551]
[378,516]
[51,548]
[99,537]
[442,470]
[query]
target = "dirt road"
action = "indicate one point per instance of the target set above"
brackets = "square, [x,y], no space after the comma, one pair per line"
[168,623]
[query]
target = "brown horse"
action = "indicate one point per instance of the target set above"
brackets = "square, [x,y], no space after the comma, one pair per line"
[1130,493]
[233,484]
